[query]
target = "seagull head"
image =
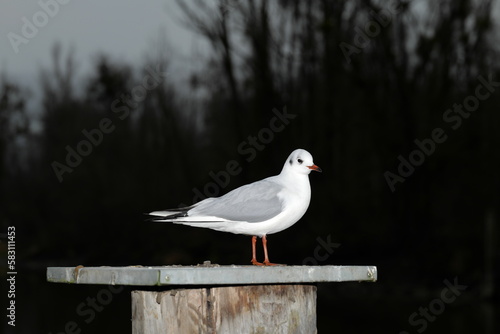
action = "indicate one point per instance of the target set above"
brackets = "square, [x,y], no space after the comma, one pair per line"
[300,161]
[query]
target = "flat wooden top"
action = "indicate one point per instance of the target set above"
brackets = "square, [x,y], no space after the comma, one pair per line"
[209,274]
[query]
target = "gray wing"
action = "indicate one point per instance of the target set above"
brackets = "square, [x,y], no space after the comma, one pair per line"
[255,202]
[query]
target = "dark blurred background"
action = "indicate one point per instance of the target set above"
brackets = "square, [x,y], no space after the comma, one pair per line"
[365,86]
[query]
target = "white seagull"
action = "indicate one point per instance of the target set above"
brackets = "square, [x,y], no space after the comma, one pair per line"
[257,209]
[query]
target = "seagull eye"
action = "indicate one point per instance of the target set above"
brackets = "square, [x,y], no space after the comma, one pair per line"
[300,161]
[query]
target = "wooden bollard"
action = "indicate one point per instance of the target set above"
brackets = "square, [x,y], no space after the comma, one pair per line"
[231,309]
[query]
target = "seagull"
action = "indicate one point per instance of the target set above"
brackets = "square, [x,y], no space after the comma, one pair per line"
[260,208]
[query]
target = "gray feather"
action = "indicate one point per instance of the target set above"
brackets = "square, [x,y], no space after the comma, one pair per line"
[255,202]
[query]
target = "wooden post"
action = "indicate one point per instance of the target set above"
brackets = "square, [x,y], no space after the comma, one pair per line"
[229,309]
[219,299]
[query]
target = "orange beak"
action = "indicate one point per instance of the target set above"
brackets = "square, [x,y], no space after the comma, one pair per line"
[315,168]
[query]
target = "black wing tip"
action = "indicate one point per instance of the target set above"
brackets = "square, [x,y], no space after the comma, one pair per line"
[177,215]
[163,219]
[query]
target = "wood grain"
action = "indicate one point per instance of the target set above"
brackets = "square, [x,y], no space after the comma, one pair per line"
[229,309]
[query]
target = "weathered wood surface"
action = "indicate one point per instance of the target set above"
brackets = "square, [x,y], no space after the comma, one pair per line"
[233,309]
[209,275]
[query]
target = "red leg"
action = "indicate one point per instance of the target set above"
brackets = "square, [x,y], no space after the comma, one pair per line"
[266,258]
[254,253]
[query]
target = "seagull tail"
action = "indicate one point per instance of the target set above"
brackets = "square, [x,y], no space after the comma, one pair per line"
[164,216]
[167,216]
[182,217]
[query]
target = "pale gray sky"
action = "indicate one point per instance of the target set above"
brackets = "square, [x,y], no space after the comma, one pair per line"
[127,30]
